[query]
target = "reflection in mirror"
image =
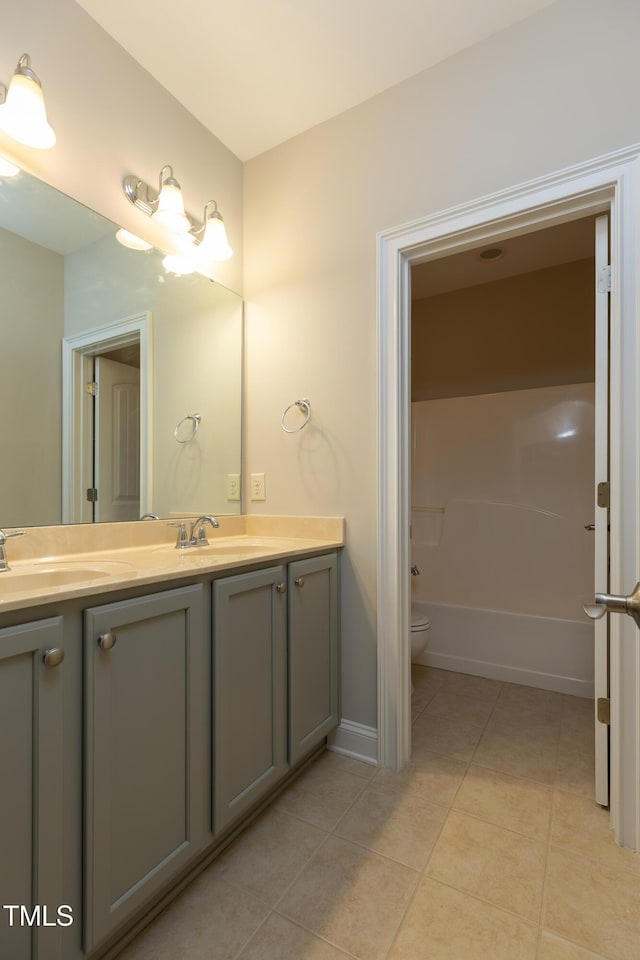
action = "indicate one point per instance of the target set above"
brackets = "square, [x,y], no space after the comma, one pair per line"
[69,288]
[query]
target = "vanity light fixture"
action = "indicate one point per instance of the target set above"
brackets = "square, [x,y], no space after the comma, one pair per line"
[201,242]
[22,111]
[166,206]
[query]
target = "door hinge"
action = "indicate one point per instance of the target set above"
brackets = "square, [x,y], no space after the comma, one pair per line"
[92,495]
[604,494]
[604,279]
[604,710]
[92,388]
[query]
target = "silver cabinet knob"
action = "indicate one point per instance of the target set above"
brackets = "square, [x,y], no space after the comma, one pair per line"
[281,588]
[106,641]
[610,603]
[299,581]
[53,657]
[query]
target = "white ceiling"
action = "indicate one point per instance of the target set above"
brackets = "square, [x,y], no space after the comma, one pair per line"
[257,72]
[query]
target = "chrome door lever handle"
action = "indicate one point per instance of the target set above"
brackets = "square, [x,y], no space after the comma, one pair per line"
[610,603]
[589,526]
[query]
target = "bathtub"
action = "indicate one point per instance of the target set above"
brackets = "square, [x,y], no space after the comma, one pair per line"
[547,652]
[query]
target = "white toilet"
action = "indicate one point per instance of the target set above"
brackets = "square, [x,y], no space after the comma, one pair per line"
[420,627]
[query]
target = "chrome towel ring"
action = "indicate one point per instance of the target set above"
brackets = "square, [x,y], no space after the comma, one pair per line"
[305,407]
[196,418]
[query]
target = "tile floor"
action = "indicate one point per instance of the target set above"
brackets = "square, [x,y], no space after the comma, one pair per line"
[488,847]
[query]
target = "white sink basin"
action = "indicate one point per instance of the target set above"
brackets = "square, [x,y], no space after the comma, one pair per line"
[47,574]
[222,549]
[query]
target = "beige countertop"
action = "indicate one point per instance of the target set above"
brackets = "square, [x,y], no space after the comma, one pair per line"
[77,561]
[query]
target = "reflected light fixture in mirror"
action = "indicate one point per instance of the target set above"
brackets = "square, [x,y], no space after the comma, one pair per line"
[130,240]
[8,169]
[179,264]
[22,114]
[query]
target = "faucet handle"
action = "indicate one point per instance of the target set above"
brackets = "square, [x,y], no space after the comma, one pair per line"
[182,540]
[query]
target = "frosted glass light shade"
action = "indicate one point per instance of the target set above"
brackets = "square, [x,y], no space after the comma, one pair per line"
[214,244]
[180,264]
[23,115]
[170,210]
[130,240]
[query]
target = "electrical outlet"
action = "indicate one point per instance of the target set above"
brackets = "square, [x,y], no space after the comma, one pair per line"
[258,487]
[233,486]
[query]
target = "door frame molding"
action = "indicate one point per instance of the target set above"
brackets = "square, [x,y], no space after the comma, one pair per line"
[608,183]
[75,351]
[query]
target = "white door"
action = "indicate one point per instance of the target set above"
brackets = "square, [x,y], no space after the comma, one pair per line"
[601,626]
[117,441]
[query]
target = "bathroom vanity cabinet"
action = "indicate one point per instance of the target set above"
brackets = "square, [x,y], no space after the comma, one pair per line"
[139,728]
[250,676]
[31,732]
[312,652]
[145,773]
[275,641]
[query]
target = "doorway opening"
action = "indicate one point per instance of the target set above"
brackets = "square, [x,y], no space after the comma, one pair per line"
[608,184]
[115,494]
[503,453]
[107,427]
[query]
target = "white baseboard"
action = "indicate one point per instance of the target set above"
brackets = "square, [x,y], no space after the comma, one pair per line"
[498,671]
[355,740]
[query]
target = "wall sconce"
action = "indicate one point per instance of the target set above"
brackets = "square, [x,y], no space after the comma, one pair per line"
[206,241]
[22,111]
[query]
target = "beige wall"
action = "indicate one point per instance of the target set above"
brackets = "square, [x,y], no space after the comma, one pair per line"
[532,330]
[112,118]
[554,90]
[32,319]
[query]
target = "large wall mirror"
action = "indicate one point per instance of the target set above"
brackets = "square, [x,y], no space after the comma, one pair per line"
[121,383]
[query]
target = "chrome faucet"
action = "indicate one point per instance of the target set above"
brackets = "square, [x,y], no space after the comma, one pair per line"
[4,564]
[197,536]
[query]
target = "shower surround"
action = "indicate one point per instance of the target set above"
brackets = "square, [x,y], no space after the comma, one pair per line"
[502,489]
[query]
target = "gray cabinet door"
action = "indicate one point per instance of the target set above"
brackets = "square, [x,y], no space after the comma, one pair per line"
[146,750]
[30,791]
[312,653]
[249,690]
